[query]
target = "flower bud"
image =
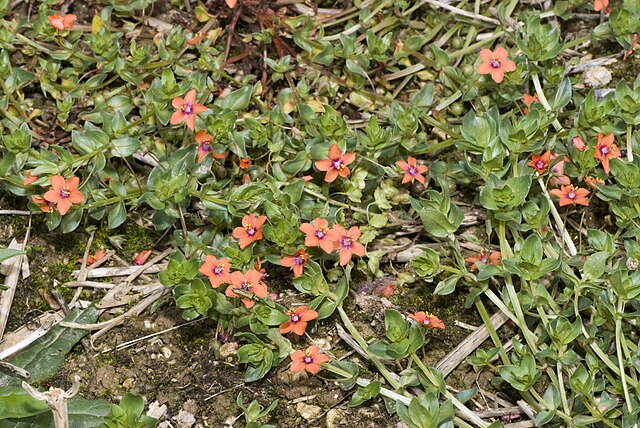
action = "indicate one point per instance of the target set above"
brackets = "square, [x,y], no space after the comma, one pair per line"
[578,143]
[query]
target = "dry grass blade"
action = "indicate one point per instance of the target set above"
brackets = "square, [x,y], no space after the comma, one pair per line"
[11,280]
[467,346]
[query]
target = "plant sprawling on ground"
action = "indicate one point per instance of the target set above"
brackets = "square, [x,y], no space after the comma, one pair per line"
[271,137]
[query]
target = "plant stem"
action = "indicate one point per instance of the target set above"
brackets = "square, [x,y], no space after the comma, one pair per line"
[620,310]
[335,203]
[492,331]
[630,142]
[543,99]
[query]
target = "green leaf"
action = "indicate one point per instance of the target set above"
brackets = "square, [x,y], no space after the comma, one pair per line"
[123,147]
[395,325]
[237,100]
[365,394]
[16,403]
[563,94]
[270,316]
[117,215]
[7,253]
[43,358]
[82,413]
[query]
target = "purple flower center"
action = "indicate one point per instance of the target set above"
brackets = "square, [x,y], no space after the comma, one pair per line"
[64,193]
[426,321]
[495,63]
[307,359]
[337,164]
[345,242]
[251,231]
[604,150]
[245,286]
[412,171]
[217,270]
[320,233]
[298,260]
[540,164]
[205,147]
[571,194]
[187,108]
[295,318]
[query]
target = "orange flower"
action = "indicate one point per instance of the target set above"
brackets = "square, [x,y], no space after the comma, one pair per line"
[578,143]
[495,63]
[298,319]
[62,22]
[298,261]
[45,206]
[29,179]
[249,285]
[605,150]
[250,231]
[216,270]
[412,170]
[528,99]
[194,40]
[336,164]
[187,109]
[99,255]
[141,258]
[245,163]
[540,162]
[593,182]
[426,319]
[599,5]
[231,3]
[319,234]
[559,179]
[308,360]
[204,141]
[570,195]
[487,259]
[347,243]
[64,193]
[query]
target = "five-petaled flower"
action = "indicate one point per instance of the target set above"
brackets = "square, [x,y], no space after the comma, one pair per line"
[593,182]
[298,319]
[204,141]
[606,150]
[45,206]
[483,257]
[250,231]
[187,109]
[540,162]
[319,234]
[63,22]
[336,164]
[250,285]
[216,270]
[412,170]
[298,261]
[347,243]
[495,63]
[528,99]
[578,143]
[426,319]
[64,193]
[559,179]
[571,195]
[308,360]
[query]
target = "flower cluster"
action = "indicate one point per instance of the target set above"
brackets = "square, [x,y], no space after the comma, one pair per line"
[568,194]
[60,197]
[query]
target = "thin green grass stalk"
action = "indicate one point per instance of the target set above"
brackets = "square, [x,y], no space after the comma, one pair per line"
[630,142]
[492,331]
[513,296]
[543,99]
[620,310]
